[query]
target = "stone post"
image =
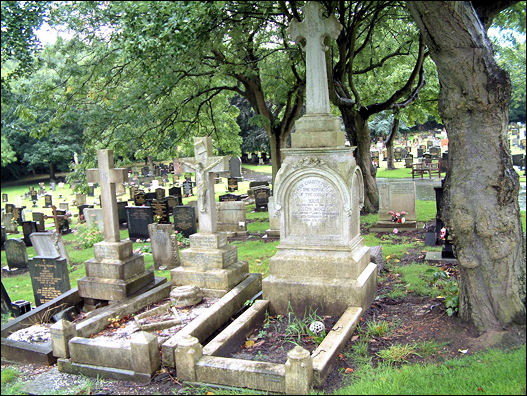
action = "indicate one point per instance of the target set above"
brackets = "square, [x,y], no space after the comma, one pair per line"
[188,352]
[61,333]
[298,372]
[145,353]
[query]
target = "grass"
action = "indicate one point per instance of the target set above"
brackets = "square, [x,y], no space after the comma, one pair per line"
[488,373]
[259,168]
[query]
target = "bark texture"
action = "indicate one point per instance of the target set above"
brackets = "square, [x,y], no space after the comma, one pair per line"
[481,195]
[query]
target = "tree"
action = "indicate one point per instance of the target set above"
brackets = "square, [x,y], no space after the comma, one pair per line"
[254,137]
[481,188]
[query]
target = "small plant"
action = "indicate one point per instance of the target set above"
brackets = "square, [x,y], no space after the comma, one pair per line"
[181,239]
[89,236]
[398,353]
[452,304]
[378,329]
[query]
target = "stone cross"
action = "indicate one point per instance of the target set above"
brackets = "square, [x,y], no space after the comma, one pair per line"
[204,165]
[314,29]
[107,176]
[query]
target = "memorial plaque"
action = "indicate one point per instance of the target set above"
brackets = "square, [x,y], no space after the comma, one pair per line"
[137,219]
[139,198]
[185,220]
[28,227]
[160,193]
[49,277]
[16,253]
[5,198]
[161,213]
[261,197]
[232,184]
[48,201]
[314,204]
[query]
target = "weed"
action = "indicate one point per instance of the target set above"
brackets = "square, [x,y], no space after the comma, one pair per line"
[378,329]
[398,353]
[428,348]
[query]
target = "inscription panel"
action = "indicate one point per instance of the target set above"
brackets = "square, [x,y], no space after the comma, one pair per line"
[315,211]
[49,277]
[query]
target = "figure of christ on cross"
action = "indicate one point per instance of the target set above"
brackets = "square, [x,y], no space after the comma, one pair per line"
[107,176]
[314,29]
[204,165]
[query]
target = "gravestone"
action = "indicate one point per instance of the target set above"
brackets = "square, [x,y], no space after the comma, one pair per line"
[210,263]
[48,201]
[121,211]
[139,198]
[160,193]
[185,220]
[187,188]
[91,190]
[5,302]
[397,154]
[261,197]
[80,199]
[230,197]
[28,227]
[435,152]
[62,221]
[396,196]
[137,220]
[39,219]
[321,262]
[34,195]
[235,168]
[172,202]
[5,197]
[408,160]
[232,218]
[94,218]
[274,220]
[17,215]
[8,222]
[52,185]
[232,184]
[49,277]
[64,206]
[81,210]
[420,152]
[126,275]
[161,213]
[133,189]
[9,208]
[165,250]
[149,197]
[175,191]
[4,237]
[49,244]
[16,253]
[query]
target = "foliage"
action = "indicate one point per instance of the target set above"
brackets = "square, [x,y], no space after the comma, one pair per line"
[88,236]
[397,353]
[181,239]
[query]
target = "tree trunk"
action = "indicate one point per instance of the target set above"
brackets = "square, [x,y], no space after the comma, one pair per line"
[353,121]
[51,171]
[481,188]
[276,155]
[389,142]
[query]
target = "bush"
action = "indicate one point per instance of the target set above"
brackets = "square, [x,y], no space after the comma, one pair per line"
[87,237]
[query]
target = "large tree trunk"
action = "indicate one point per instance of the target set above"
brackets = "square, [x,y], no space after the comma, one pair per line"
[481,190]
[389,142]
[353,121]
[52,171]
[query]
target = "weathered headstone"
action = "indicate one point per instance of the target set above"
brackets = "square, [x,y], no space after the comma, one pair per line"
[160,193]
[187,188]
[64,206]
[261,197]
[232,184]
[161,213]
[17,215]
[396,197]
[232,218]
[126,274]
[39,219]
[8,222]
[34,195]
[80,199]
[165,250]
[16,253]
[9,208]
[321,262]
[175,191]
[5,197]
[48,201]
[185,220]
[235,168]
[137,220]
[49,244]
[139,198]
[94,218]
[28,227]
[274,220]
[49,277]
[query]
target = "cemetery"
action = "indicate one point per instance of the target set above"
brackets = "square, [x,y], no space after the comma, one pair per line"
[203,262]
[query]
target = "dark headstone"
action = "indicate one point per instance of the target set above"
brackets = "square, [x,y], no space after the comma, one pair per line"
[232,184]
[435,152]
[160,193]
[121,211]
[34,195]
[16,253]
[185,220]
[187,188]
[17,215]
[161,212]
[82,207]
[49,277]
[137,219]
[517,160]
[172,202]
[64,223]
[255,183]
[91,191]
[230,197]
[48,201]
[261,197]
[4,237]
[139,198]
[150,196]
[28,227]
[420,152]
[9,208]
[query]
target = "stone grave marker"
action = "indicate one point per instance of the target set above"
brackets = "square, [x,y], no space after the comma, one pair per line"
[261,197]
[9,208]
[49,277]
[160,193]
[94,218]
[161,212]
[17,215]
[80,199]
[232,184]
[8,222]
[81,210]
[165,250]
[149,197]
[121,211]
[175,191]
[187,187]
[38,217]
[133,189]
[139,198]
[274,220]
[48,201]
[185,220]
[127,274]
[230,197]
[4,237]
[16,253]
[28,227]
[235,168]
[396,196]
[64,206]
[321,262]
[49,244]
[34,195]
[232,218]
[137,220]
[5,197]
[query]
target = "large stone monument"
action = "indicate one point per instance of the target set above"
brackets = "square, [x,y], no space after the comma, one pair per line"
[115,273]
[210,263]
[321,261]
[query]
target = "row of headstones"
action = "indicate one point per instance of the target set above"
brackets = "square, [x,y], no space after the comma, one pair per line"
[254,159]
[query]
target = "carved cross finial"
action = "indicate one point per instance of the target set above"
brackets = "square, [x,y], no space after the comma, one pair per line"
[107,176]
[314,28]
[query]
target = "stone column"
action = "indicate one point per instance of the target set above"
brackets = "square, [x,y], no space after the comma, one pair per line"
[188,352]
[298,372]
[61,333]
[145,353]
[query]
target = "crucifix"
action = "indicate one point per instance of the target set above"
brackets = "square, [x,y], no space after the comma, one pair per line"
[56,218]
[204,165]
[314,29]
[107,176]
